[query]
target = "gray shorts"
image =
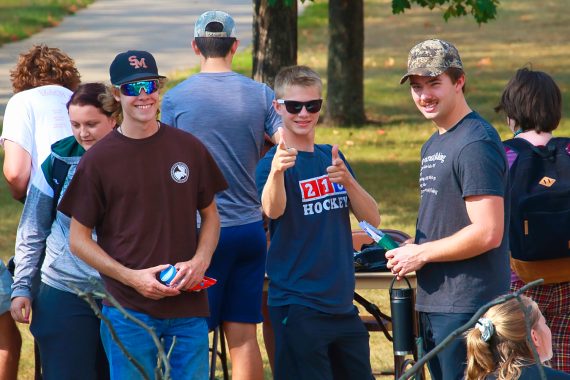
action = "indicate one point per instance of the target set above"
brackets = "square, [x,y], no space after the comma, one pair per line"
[5,288]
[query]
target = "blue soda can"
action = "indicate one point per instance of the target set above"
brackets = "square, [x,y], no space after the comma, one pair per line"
[167,275]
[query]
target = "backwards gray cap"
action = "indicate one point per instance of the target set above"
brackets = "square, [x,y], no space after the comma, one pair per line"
[431,58]
[226,21]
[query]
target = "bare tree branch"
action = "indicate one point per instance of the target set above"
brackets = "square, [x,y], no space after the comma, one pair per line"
[88,297]
[163,361]
[482,310]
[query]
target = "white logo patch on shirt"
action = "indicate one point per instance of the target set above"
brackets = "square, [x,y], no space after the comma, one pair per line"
[180,172]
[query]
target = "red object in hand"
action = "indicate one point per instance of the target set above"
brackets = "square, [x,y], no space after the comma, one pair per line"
[204,284]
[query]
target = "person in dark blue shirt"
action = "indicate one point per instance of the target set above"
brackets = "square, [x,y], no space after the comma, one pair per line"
[307,190]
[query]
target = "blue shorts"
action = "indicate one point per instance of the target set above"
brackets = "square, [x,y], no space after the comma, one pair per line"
[5,288]
[239,266]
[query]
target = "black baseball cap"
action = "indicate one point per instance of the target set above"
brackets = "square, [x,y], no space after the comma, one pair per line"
[133,65]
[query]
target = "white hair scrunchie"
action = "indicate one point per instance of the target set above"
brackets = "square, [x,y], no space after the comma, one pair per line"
[486,327]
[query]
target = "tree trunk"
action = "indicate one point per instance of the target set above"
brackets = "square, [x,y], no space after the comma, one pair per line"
[274,38]
[345,72]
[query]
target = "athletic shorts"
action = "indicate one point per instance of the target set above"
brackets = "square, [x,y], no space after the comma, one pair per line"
[5,288]
[239,266]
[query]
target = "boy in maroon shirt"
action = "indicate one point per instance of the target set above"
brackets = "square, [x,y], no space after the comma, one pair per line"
[140,188]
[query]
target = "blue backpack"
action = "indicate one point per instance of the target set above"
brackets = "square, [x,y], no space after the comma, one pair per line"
[539,234]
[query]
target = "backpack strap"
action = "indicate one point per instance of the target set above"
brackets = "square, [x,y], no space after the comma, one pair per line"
[59,172]
[560,144]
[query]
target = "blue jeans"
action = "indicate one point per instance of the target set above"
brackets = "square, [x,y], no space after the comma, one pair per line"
[188,360]
[450,363]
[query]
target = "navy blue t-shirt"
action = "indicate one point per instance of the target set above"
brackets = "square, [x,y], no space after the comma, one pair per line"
[532,373]
[467,160]
[310,260]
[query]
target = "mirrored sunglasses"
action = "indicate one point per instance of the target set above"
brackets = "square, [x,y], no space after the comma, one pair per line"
[294,107]
[135,88]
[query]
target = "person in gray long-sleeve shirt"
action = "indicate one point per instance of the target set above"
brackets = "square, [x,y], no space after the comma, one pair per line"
[64,355]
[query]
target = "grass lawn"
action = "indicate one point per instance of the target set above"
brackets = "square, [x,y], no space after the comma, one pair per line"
[385,155]
[22,18]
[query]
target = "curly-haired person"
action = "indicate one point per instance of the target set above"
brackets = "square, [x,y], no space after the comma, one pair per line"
[43,80]
[36,116]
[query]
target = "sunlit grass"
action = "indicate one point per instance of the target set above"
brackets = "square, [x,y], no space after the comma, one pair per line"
[22,18]
[385,154]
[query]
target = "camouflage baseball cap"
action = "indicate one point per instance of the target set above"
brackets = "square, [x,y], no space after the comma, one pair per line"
[431,58]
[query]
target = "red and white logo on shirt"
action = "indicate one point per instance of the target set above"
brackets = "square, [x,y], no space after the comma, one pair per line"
[319,195]
[319,187]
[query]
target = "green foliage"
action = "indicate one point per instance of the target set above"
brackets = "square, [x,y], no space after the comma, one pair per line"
[481,10]
[22,18]
[314,16]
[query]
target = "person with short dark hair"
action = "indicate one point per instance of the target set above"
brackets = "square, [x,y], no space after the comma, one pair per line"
[499,347]
[230,114]
[56,307]
[140,188]
[460,249]
[308,190]
[532,103]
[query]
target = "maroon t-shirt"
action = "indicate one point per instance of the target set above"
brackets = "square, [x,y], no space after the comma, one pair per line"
[141,196]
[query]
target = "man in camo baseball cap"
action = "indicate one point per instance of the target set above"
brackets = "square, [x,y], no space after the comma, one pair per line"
[463,196]
[432,58]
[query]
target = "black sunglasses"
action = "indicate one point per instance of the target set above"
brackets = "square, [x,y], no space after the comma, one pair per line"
[294,107]
[135,88]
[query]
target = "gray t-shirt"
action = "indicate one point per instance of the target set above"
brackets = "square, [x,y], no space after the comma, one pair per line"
[465,161]
[229,114]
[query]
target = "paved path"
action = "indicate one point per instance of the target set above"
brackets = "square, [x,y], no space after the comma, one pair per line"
[94,35]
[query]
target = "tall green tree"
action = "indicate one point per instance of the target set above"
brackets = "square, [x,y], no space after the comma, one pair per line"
[275,45]
[274,38]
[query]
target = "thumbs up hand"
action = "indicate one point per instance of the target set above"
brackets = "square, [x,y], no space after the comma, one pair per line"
[338,172]
[284,157]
